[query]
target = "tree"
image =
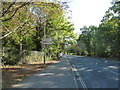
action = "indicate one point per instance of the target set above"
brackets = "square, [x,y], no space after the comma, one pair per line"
[103,40]
[25,24]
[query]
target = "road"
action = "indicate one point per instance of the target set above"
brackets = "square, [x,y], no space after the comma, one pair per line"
[94,72]
[57,75]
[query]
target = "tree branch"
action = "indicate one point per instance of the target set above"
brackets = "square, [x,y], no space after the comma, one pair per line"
[14,30]
[7,9]
[15,11]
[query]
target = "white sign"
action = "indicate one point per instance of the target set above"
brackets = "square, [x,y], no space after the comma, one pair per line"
[46,43]
[46,39]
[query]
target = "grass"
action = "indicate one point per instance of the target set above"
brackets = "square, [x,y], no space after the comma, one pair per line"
[13,74]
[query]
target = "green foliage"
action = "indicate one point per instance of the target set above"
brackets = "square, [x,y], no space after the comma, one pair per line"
[32,57]
[74,49]
[39,16]
[15,57]
[12,56]
[103,40]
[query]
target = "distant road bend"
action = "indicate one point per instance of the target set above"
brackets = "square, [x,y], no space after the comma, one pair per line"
[94,72]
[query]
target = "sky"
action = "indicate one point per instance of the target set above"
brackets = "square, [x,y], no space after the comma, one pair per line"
[88,12]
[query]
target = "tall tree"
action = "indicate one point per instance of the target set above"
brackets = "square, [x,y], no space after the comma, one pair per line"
[103,40]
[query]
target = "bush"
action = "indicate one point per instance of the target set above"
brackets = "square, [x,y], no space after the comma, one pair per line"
[15,56]
[33,56]
[12,56]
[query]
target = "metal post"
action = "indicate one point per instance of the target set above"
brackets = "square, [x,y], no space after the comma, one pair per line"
[44,55]
[45,37]
[0,46]
[45,27]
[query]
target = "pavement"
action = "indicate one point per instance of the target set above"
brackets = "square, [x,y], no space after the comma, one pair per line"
[57,75]
[95,72]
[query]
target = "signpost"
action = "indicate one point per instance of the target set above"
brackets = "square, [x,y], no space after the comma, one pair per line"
[45,42]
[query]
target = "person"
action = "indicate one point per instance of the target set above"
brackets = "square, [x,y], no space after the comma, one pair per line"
[61,54]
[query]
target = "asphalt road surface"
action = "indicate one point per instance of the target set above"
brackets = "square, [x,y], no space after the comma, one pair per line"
[95,72]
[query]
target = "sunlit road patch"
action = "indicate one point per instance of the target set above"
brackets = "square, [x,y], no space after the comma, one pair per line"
[96,72]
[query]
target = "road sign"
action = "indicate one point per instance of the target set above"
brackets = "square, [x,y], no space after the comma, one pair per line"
[46,39]
[46,43]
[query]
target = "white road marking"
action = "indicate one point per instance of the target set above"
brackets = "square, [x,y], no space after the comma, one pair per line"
[107,69]
[79,77]
[73,75]
[110,71]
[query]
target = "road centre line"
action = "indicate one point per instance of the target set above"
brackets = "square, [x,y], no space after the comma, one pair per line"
[79,77]
[73,75]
